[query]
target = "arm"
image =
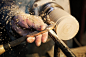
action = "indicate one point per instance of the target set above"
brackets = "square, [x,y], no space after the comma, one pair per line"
[11,13]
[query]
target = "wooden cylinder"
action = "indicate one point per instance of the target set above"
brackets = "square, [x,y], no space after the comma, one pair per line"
[67,26]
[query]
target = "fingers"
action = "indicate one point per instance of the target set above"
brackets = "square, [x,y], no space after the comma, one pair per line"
[30,39]
[36,22]
[38,40]
[44,37]
[21,21]
[42,27]
[41,38]
[18,29]
[29,22]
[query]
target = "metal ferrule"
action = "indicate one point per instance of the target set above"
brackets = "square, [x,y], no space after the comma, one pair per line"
[48,7]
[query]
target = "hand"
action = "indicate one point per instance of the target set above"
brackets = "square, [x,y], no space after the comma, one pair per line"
[23,23]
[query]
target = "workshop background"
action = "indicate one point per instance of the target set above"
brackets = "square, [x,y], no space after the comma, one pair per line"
[78,10]
[78,43]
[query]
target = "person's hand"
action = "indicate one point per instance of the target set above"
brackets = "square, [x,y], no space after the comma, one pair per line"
[23,23]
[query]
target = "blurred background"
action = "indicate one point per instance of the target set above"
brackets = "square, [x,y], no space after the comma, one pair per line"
[78,43]
[78,10]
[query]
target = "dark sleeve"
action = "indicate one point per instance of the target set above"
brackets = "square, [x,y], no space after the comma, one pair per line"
[8,10]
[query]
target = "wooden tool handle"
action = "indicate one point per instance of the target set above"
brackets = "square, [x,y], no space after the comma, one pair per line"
[18,41]
[2,50]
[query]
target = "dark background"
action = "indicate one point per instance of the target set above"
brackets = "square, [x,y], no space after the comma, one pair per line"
[78,10]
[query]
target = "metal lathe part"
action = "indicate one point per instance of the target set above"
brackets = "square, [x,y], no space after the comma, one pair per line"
[67,26]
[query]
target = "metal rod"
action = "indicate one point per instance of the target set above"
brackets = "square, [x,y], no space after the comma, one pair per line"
[61,44]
